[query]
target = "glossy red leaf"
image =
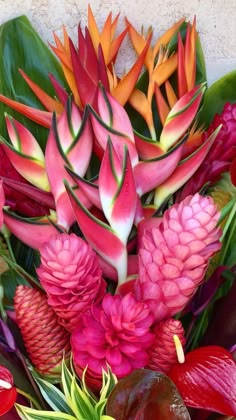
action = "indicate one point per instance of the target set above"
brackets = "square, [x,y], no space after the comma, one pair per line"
[207,379]
[8,392]
[145,394]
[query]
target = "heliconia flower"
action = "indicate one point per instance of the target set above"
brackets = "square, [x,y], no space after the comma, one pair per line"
[117,192]
[46,341]
[173,257]
[184,171]
[113,121]
[70,274]
[34,232]
[8,392]
[69,144]
[25,154]
[181,116]
[117,334]
[20,195]
[163,351]
[220,157]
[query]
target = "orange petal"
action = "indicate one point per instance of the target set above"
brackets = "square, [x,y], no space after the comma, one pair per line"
[93,29]
[105,38]
[170,93]
[139,102]
[124,89]
[190,55]
[48,102]
[182,81]
[166,37]
[164,70]
[139,43]
[163,108]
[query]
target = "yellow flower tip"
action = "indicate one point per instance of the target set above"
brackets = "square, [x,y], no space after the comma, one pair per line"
[5,384]
[179,349]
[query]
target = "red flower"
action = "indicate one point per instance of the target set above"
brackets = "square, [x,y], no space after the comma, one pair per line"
[8,392]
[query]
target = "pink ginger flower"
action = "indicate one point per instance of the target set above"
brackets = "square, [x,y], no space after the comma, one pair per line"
[163,351]
[71,275]
[174,255]
[117,333]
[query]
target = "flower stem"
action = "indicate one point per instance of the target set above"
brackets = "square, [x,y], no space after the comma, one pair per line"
[29,397]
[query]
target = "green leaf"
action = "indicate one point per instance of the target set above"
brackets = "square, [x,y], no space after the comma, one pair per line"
[221,92]
[21,47]
[27,413]
[81,403]
[54,397]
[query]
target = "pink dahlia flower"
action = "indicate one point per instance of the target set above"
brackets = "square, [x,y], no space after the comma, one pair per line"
[163,352]
[117,334]
[173,256]
[71,275]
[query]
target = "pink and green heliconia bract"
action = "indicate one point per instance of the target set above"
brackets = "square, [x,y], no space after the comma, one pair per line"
[109,186]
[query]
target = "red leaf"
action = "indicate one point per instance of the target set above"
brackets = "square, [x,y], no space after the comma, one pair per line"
[207,380]
[145,394]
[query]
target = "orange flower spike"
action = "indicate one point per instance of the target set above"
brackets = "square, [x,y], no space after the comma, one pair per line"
[116,43]
[127,84]
[166,37]
[170,94]
[162,106]
[63,53]
[163,71]
[139,43]
[48,102]
[105,38]
[190,55]
[139,102]
[182,81]
[93,29]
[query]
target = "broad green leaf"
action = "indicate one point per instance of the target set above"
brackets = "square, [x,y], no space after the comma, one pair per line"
[221,92]
[21,47]
[54,397]
[27,413]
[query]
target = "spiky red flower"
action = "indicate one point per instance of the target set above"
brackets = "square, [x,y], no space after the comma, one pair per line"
[46,341]
[71,275]
[117,334]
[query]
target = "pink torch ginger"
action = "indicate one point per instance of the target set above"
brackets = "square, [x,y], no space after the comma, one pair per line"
[71,276]
[174,256]
[117,334]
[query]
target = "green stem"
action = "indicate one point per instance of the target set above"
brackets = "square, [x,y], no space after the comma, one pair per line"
[232,233]
[198,329]
[29,397]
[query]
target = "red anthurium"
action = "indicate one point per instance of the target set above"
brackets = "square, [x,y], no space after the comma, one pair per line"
[8,392]
[207,380]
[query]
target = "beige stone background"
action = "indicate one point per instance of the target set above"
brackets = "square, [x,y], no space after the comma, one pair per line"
[216,22]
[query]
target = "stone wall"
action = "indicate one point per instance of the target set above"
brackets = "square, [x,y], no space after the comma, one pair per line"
[216,22]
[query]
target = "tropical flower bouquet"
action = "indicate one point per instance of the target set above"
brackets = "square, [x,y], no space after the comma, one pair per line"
[117,216]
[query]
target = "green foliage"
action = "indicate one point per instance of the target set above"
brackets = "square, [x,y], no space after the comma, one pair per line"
[21,47]
[72,401]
